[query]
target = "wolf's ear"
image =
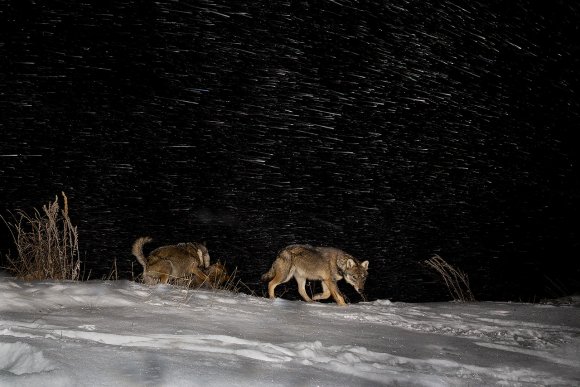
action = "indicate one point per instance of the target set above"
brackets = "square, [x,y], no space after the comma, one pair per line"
[200,256]
[365,265]
[350,263]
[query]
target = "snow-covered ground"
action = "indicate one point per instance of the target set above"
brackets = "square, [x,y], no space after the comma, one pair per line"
[124,333]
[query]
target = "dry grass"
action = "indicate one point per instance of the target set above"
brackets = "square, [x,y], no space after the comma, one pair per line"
[457,281]
[46,243]
[113,273]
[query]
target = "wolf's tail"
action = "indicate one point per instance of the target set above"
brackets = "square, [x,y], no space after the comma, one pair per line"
[137,250]
[268,275]
[283,256]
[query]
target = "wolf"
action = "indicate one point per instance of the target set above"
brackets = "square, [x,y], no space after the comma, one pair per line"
[172,261]
[326,264]
[216,276]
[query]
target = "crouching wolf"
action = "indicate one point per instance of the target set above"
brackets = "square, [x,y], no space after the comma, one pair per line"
[172,261]
[326,264]
[216,276]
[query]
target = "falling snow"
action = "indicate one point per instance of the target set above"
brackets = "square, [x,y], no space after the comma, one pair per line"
[394,130]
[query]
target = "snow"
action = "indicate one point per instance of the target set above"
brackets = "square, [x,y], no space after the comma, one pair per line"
[126,333]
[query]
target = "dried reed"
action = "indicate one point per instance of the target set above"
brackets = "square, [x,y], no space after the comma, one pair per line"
[457,281]
[46,243]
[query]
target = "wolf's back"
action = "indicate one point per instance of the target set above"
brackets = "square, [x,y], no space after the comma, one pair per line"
[137,250]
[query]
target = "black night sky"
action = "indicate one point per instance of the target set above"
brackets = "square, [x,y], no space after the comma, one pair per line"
[394,130]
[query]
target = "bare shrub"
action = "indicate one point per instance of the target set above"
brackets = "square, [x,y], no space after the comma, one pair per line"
[46,243]
[457,281]
[113,273]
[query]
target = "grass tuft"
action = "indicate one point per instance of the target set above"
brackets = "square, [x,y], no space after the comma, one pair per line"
[46,244]
[457,281]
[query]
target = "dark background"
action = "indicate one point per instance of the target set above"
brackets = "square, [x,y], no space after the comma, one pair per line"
[394,130]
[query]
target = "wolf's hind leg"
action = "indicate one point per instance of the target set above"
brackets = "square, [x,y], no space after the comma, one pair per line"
[279,278]
[302,288]
[283,271]
[324,295]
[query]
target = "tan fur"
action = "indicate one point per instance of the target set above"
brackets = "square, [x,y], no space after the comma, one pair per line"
[326,264]
[172,261]
[216,275]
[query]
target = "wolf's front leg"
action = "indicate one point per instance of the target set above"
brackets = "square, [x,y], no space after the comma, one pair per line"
[336,294]
[200,276]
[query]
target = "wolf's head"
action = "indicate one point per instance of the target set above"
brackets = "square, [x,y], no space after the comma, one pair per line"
[355,273]
[217,274]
